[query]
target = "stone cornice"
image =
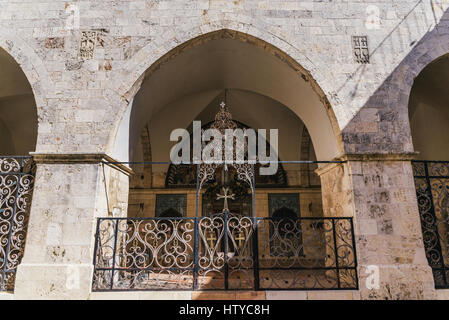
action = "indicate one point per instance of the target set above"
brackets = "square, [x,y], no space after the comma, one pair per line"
[80,158]
[408,156]
[325,168]
[365,158]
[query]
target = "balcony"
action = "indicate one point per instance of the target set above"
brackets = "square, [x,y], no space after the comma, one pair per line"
[224,252]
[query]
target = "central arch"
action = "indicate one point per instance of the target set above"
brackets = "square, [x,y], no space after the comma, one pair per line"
[268,89]
[261,87]
[282,79]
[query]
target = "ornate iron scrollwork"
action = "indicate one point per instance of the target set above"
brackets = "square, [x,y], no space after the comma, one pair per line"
[144,254]
[432,191]
[16,188]
[182,175]
[158,254]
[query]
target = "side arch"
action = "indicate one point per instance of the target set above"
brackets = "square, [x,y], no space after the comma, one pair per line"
[428,104]
[30,63]
[431,48]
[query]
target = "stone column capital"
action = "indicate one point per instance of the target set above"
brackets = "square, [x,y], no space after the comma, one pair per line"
[80,158]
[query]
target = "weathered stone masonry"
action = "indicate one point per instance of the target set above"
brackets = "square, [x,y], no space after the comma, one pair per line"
[84,74]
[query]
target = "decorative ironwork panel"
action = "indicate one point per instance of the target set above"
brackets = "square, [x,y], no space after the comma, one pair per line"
[236,192]
[284,205]
[171,203]
[181,176]
[224,252]
[144,254]
[324,259]
[279,201]
[432,191]
[16,187]
[184,175]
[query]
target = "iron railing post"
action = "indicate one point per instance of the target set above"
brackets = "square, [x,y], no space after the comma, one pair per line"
[336,252]
[255,237]
[351,220]
[97,238]
[114,251]
[196,244]
[255,250]
[225,239]
[196,250]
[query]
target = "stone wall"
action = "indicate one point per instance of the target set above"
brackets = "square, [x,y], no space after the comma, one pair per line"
[69,195]
[85,60]
[81,70]
[379,193]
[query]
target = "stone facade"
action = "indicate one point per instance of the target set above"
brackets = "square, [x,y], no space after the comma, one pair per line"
[86,60]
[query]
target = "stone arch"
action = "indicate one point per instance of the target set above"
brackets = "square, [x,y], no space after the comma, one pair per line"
[30,63]
[431,47]
[428,105]
[23,86]
[33,70]
[152,56]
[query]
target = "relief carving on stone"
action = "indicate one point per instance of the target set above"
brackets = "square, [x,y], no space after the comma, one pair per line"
[87,44]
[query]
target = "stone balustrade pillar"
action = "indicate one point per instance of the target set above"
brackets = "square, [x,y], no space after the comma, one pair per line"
[71,191]
[378,191]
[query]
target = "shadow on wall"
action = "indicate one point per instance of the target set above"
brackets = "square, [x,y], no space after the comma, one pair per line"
[382,124]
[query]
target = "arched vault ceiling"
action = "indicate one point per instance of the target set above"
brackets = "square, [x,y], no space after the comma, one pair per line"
[227,63]
[252,109]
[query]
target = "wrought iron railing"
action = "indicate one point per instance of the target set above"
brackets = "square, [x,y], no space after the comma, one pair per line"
[432,190]
[224,252]
[16,188]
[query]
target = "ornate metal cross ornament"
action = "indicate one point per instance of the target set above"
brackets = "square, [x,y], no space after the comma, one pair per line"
[240,239]
[206,172]
[211,239]
[225,196]
[223,119]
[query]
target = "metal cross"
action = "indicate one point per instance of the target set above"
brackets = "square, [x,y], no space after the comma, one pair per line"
[212,239]
[240,239]
[225,196]
[222,104]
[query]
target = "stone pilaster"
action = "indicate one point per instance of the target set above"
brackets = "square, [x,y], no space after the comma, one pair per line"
[378,191]
[70,193]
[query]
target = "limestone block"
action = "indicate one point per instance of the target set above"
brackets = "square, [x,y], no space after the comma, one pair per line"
[286,295]
[398,282]
[442,294]
[6,296]
[330,295]
[53,281]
